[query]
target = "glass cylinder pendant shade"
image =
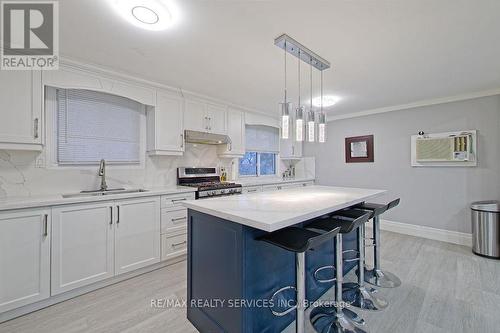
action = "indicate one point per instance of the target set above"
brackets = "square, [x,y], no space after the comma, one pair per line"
[299,124]
[285,119]
[322,128]
[311,126]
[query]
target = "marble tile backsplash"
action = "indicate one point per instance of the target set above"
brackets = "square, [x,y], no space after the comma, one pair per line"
[20,177]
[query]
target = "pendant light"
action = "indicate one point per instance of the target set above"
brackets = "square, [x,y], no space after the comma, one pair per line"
[285,108]
[299,116]
[322,118]
[311,122]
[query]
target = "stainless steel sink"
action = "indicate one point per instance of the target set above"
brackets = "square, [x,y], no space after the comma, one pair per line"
[98,193]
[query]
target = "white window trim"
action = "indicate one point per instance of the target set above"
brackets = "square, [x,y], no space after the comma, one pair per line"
[50,109]
[276,166]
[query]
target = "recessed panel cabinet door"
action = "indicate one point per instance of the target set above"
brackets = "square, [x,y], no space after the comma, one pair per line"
[24,258]
[137,234]
[20,107]
[82,245]
[195,116]
[216,119]
[170,129]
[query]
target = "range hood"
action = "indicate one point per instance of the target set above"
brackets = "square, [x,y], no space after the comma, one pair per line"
[206,138]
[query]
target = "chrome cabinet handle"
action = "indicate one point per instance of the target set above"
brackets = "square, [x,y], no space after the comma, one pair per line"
[45,225]
[118,215]
[111,215]
[182,140]
[250,191]
[179,219]
[179,244]
[279,187]
[177,200]
[35,131]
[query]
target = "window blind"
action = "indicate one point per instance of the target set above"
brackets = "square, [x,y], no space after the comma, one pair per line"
[92,126]
[261,138]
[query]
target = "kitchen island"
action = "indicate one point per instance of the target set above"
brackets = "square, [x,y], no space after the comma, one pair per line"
[232,275]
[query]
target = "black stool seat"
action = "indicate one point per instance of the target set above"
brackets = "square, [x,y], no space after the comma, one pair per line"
[297,239]
[346,220]
[378,208]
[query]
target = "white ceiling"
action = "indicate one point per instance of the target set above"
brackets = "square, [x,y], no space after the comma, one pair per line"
[384,53]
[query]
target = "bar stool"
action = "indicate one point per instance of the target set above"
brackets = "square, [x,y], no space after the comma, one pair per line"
[376,276]
[339,319]
[298,240]
[357,294]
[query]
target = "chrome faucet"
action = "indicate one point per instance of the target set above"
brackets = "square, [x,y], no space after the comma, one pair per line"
[102,174]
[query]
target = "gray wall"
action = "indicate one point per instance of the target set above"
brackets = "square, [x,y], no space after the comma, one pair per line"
[437,197]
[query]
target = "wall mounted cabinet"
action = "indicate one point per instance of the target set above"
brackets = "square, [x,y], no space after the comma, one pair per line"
[21,125]
[236,132]
[204,117]
[24,257]
[165,130]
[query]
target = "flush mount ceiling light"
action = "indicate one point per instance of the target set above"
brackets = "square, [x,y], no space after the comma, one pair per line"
[153,15]
[328,100]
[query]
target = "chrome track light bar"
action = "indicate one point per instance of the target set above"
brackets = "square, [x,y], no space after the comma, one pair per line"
[298,50]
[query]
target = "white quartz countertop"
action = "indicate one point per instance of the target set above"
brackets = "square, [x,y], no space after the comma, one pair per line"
[9,203]
[257,181]
[270,211]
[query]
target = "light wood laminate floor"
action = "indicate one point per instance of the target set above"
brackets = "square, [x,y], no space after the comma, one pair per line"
[445,289]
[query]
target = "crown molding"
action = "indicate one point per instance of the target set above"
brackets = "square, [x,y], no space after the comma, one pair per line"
[428,102]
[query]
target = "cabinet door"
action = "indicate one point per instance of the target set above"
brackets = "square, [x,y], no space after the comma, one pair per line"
[20,107]
[24,258]
[195,116]
[137,234]
[166,123]
[236,132]
[216,119]
[82,245]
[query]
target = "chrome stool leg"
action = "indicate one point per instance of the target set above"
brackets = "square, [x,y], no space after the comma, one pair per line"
[356,293]
[300,268]
[334,317]
[376,276]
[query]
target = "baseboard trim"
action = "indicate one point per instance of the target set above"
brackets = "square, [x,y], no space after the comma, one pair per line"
[447,236]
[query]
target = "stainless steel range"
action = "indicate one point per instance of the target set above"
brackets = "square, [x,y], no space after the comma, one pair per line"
[207,181]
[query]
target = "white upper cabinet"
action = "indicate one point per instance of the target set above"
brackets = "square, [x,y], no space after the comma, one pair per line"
[290,149]
[195,116]
[137,234]
[72,78]
[236,132]
[216,119]
[21,116]
[166,125]
[24,257]
[204,117]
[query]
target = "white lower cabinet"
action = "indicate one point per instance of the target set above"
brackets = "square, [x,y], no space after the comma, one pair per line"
[82,245]
[93,242]
[24,257]
[173,244]
[137,234]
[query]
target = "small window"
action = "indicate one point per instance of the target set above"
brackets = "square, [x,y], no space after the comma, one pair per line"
[258,164]
[92,126]
[248,164]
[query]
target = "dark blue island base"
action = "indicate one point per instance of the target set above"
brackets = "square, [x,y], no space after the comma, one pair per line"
[232,276]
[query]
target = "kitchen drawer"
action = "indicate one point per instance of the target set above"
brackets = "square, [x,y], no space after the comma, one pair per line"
[252,189]
[173,245]
[172,220]
[266,188]
[176,200]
